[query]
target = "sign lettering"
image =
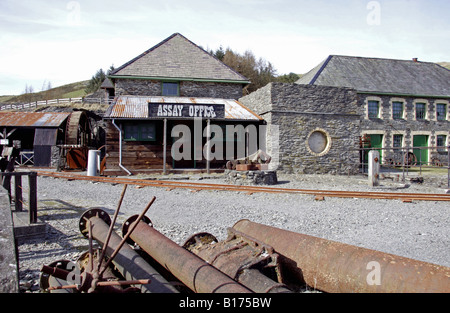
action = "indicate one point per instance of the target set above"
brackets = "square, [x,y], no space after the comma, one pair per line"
[213,111]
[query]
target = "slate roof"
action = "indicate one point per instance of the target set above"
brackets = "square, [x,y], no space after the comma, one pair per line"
[377,75]
[178,58]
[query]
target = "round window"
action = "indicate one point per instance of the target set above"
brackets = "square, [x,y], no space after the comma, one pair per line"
[319,142]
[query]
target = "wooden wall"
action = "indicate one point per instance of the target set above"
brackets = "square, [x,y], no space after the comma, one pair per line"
[136,155]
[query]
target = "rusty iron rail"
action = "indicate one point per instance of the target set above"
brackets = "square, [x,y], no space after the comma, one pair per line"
[337,267]
[252,189]
[191,270]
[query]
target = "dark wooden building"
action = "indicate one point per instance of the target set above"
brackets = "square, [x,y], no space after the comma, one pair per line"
[40,136]
[169,94]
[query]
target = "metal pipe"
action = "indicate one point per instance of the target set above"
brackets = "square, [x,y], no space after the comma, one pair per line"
[120,148]
[191,270]
[127,261]
[240,258]
[337,267]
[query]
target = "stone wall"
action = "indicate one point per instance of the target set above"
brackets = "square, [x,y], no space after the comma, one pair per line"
[318,126]
[9,269]
[407,126]
[251,178]
[141,87]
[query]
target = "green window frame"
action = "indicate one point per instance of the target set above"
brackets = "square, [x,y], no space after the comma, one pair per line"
[170,89]
[441,111]
[374,109]
[139,132]
[421,111]
[397,110]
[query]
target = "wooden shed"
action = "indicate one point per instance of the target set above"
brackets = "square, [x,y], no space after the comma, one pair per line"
[41,137]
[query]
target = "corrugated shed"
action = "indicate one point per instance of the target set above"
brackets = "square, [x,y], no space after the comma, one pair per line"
[32,119]
[136,107]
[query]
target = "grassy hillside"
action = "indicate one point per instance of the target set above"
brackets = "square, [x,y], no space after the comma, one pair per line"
[73,90]
[445,64]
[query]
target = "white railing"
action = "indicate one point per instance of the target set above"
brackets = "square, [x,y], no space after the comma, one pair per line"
[35,104]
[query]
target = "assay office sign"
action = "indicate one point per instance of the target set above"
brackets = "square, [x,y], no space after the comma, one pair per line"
[208,111]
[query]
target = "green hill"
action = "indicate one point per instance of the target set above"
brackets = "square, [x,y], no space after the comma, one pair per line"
[445,64]
[73,90]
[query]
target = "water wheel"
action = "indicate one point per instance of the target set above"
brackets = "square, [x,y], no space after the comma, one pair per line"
[78,133]
[78,130]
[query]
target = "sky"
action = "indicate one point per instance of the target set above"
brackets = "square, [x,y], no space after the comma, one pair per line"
[61,41]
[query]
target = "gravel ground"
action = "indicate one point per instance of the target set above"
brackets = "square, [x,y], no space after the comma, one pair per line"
[418,230]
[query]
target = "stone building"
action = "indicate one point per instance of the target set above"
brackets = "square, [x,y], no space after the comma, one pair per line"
[309,128]
[403,104]
[174,85]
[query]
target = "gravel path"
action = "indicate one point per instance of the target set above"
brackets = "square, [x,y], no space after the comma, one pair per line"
[418,230]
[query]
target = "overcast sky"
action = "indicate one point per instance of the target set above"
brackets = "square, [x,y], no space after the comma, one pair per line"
[68,41]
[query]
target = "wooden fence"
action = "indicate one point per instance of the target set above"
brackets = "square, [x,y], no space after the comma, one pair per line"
[35,104]
[18,198]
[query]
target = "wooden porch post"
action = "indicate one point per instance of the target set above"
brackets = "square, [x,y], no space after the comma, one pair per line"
[165,147]
[208,147]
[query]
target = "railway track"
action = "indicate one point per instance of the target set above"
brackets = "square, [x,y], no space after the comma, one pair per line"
[249,189]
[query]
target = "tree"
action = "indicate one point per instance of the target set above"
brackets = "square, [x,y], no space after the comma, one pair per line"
[97,80]
[288,78]
[219,53]
[258,71]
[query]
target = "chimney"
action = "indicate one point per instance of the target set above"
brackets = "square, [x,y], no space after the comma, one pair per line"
[415,60]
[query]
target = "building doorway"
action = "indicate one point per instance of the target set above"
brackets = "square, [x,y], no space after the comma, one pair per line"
[420,141]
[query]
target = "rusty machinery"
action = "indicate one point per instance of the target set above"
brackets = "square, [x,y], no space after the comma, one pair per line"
[254,258]
[78,140]
[337,267]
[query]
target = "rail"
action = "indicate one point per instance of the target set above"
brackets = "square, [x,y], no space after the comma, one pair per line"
[407,158]
[251,189]
[35,104]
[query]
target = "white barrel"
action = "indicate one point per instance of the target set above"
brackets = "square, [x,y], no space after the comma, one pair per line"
[93,163]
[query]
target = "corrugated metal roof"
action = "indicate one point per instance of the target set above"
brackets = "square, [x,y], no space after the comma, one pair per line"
[32,119]
[136,107]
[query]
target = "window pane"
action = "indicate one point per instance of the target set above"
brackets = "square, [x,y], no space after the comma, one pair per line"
[441,112]
[398,140]
[170,89]
[147,132]
[131,132]
[420,111]
[441,140]
[397,110]
[373,109]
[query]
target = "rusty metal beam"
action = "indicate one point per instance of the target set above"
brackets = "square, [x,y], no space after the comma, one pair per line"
[254,189]
[191,270]
[337,267]
[127,261]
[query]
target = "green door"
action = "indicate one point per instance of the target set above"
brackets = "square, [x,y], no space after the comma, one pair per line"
[421,154]
[376,143]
